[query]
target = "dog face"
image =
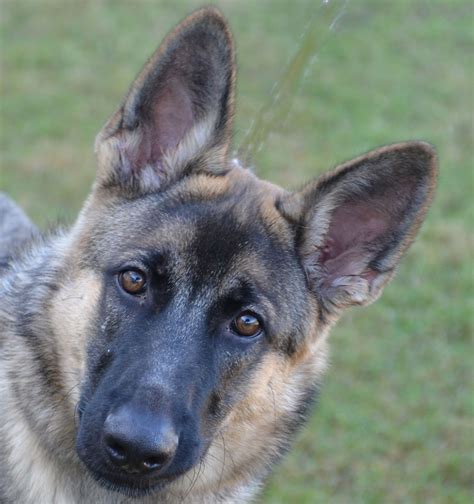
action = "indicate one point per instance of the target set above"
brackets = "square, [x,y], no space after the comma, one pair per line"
[213,290]
[194,294]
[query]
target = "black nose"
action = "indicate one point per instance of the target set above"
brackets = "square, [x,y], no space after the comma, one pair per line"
[139,442]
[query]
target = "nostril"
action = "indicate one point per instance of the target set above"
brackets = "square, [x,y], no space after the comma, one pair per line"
[116,451]
[155,462]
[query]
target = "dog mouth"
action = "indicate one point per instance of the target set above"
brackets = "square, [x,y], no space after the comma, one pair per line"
[134,484]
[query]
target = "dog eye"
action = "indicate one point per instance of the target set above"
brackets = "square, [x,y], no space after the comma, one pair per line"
[246,324]
[133,282]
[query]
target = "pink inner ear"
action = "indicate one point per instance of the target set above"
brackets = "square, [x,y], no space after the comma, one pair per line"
[170,119]
[352,227]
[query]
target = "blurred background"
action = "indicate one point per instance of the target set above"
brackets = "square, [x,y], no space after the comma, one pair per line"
[394,421]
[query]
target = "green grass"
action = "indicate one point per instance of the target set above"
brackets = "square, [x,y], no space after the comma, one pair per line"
[394,422]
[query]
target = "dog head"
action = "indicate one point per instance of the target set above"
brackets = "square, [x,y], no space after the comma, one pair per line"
[208,292]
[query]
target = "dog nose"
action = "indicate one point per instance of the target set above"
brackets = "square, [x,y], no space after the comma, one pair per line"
[139,443]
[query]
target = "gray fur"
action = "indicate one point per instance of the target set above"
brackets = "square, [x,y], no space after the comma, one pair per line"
[16,229]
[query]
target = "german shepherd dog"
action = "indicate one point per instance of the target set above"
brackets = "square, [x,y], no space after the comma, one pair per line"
[168,346]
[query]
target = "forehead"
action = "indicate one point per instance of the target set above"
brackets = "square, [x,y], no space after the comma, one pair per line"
[209,224]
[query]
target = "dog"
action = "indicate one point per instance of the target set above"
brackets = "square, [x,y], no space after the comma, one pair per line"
[170,344]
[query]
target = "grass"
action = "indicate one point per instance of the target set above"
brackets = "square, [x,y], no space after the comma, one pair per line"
[394,421]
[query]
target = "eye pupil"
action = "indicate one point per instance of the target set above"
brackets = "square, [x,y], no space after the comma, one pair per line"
[133,281]
[135,277]
[246,324]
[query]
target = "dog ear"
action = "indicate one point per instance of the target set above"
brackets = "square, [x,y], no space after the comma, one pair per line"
[355,222]
[177,115]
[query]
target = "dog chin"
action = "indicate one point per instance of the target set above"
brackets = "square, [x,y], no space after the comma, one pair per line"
[132,487]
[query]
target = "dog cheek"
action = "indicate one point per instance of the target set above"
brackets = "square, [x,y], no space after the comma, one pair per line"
[72,313]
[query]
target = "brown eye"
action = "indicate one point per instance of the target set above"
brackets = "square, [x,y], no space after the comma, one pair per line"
[133,282]
[246,324]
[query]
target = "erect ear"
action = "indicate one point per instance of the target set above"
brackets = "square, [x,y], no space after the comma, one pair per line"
[355,222]
[177,114]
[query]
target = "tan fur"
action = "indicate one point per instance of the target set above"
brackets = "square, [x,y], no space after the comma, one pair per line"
[72,310]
